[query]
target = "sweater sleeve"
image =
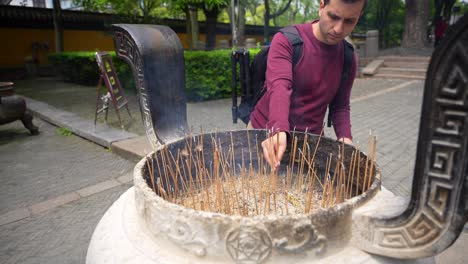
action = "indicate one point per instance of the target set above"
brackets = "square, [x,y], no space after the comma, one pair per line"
[340,106]
[279,79]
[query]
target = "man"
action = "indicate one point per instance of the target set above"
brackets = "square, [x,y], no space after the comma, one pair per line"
[297,99]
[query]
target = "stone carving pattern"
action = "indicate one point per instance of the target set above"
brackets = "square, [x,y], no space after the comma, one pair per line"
[184,236]
[447,153]
[248,245]
[304,237]
[126,49]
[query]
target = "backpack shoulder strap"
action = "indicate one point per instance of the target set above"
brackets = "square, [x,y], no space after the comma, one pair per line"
[348,61]
[296,41]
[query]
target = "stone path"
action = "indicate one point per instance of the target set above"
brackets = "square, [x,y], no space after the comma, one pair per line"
[54,190]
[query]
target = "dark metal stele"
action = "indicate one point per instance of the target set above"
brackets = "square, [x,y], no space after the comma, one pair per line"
[156,58]
[438,206]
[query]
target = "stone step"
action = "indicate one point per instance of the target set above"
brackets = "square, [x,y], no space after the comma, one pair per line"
[400,76]
[372,67]
[410,59]
[402,64]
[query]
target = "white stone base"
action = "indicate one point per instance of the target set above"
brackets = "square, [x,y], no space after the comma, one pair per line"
[121,237]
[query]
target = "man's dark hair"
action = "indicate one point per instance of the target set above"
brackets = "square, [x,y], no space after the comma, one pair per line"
[326,2]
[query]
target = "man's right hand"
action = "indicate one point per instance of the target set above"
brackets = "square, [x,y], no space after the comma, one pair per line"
[274,148]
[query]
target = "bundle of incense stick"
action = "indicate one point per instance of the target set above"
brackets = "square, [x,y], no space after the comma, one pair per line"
[250,187]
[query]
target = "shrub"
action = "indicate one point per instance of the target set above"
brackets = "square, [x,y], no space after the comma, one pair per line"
[82,68]
[207,73]
[76,67]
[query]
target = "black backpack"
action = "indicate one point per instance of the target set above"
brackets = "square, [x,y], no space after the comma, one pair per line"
[254,77]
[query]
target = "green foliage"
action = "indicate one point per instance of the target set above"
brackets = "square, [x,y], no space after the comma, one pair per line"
[63,131]
[300,11]
[77,67]
[82,68]
[387,16]
[207,73]
[125,7]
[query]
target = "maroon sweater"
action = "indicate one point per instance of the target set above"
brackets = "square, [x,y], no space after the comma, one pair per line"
[301,104]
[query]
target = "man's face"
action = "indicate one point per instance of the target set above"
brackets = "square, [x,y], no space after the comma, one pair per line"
[337,20]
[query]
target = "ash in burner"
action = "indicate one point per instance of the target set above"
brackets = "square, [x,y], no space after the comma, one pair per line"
[249,196]
[227,174]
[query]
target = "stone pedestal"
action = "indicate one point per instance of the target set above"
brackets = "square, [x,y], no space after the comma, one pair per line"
[372,43]
[123,237]
[141,227]
[250,43]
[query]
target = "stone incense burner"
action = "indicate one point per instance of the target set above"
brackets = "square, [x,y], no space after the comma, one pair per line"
[370,226]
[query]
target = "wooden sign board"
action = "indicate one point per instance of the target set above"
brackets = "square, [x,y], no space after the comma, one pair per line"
[112,83]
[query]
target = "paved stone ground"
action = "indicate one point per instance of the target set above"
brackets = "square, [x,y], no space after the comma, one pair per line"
[50,165]
[64,96]
[394,119]
[56,188]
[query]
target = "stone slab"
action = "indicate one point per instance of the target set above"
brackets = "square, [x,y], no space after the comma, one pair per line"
[372,67]
[102,186]
[100,134]
[54,202]
[133,149]
[125,178]
[14,215]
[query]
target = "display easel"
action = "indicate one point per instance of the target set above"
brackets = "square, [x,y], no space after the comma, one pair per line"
[114,89]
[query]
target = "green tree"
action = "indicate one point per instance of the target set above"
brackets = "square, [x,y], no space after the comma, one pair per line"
[300,11]
[143,8]
[387,17]
[272,13]
[212,9]
[253,8]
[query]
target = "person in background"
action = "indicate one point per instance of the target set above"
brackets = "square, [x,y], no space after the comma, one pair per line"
[297,99]
[439,31]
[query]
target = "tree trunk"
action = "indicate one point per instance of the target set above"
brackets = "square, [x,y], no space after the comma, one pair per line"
[383,19]
[194,26]
[241,26]
[417,14]
[188,29]
[58,26]
[211,21]
[266,20]
[239,22]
